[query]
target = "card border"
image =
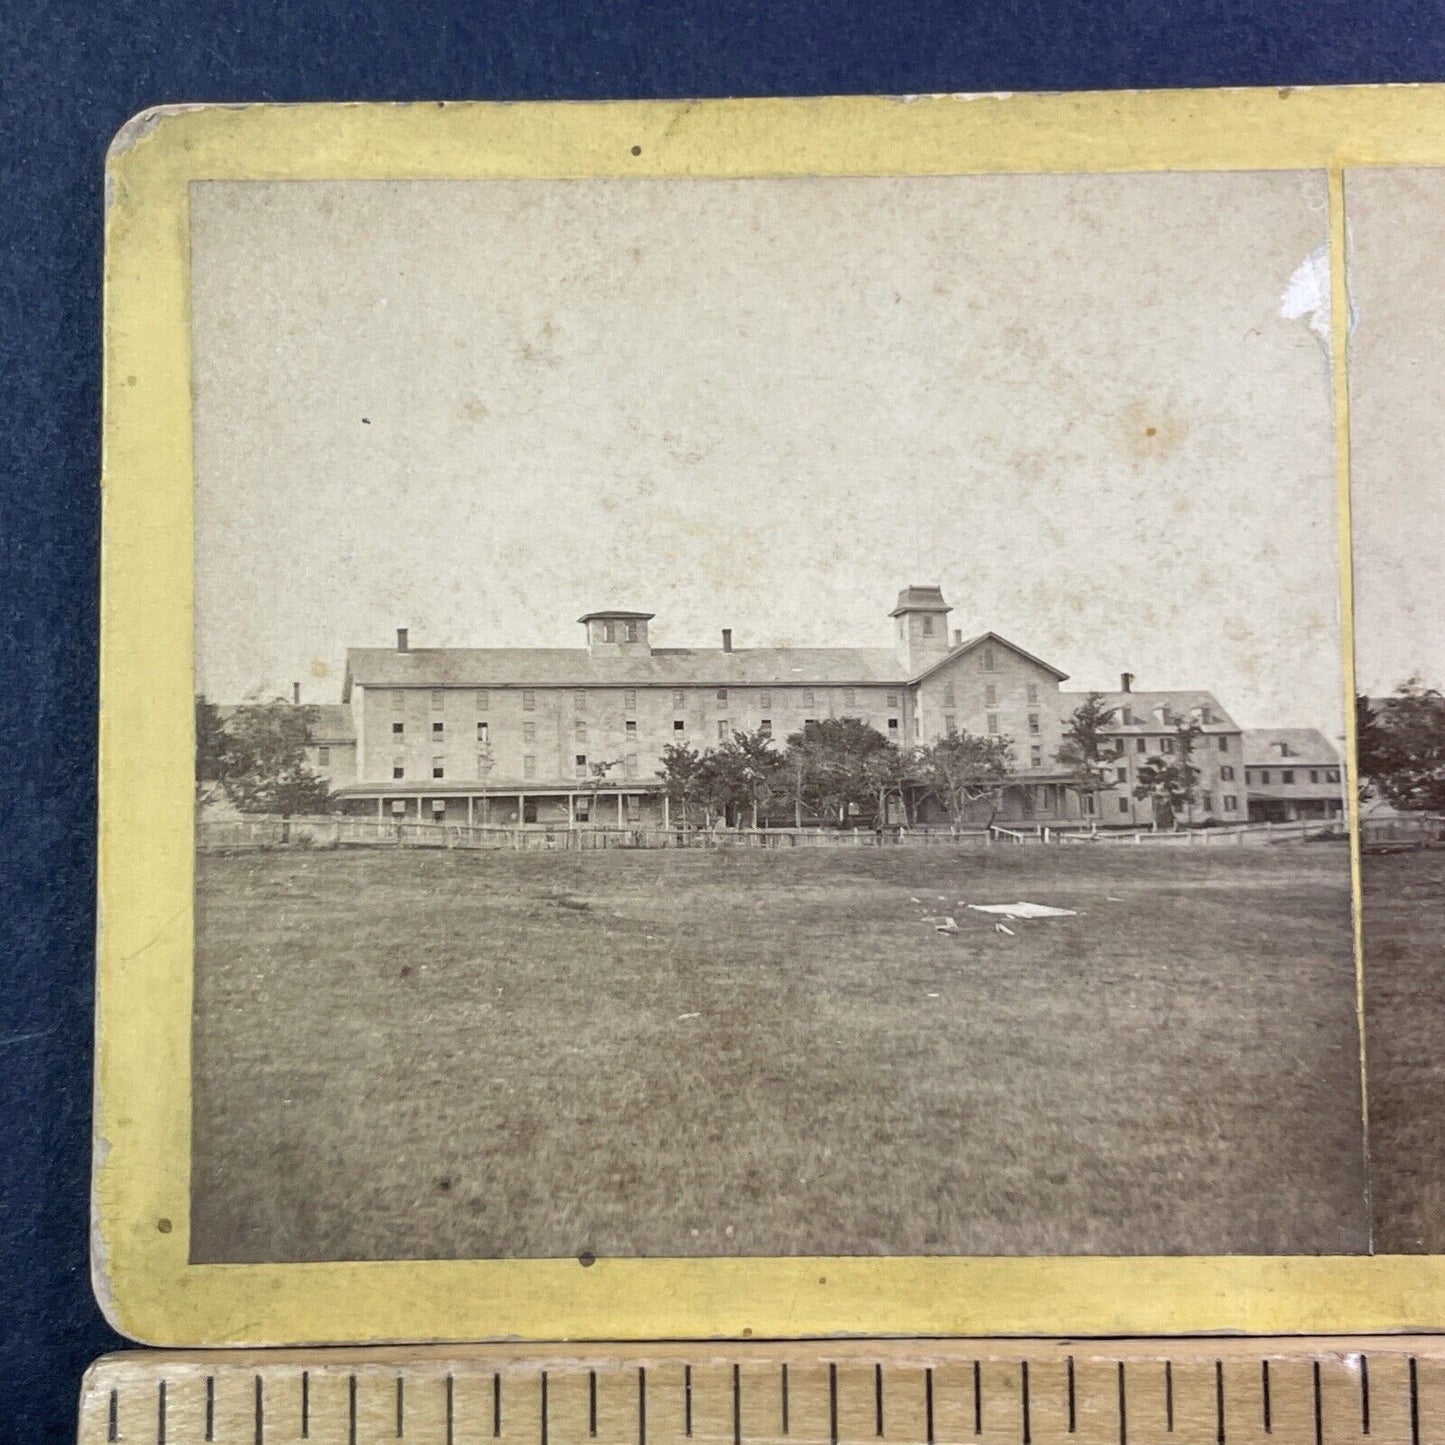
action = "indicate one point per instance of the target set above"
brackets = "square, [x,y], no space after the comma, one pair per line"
[140,1201]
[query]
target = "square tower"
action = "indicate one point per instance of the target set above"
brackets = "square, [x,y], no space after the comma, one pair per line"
[617,634]
[921,627]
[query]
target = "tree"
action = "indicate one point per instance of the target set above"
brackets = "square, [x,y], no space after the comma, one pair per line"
[1087,746]
[1403,755]
[962,770]
[211,751]
[264,762]
[892,772]
[1169,780]
[828,766]
[745,772]
[685,779]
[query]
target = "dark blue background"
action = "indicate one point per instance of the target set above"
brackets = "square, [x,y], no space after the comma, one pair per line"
[70,73]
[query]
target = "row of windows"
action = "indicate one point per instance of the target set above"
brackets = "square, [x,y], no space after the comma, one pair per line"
[629,698]
[990,695]
[580,768]
[1287,775]
[1229,803]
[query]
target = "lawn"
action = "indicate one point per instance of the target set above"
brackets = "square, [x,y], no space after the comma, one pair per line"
[1405,1029]
[448,1054]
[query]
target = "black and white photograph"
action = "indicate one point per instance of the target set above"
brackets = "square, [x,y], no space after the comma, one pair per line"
[779,717]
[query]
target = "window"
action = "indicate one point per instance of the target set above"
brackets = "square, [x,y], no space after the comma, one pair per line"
[893,724]
[1332,775]
[1033,693]
[323,757]
[892,699]
[1226,774]
[927,625]
[986,661]
[1166,745]
[484,764]
[579,700]
[630,728]
[1224,745]
[438,729]
[1231,803]
[722,695]
[529,810]
[397,729]
[1033,722]
[765,699]
[848,697]
[1287,776]
[722,730]
[1206,801]
[484,732]
[1141,745]
[629,700]
[609,632]
[1126,716]
[629,765]
[916,728]
[766,727]
[807,697]
[582,810]
[1123,805]
[950,724]
[438,700]
[949,697]
[529,766]
[579,765]
[678,698]
[398,770]
[632,633]
[1264,776]
[529,701]
[993,722]
[398,702]
[1314,772]
[634,809]
[678,725]
[1121,774]
[438,768]
[579,731]
[990,695]
[809,722]
[484,700]
[398,809]
[1088,802]
[529,732]
[1036,757]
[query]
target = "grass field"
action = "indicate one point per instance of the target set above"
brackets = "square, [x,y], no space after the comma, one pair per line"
[412,1054]
[1405,1027]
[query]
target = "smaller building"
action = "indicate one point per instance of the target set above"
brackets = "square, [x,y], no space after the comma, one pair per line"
[1292,773]
[330,742]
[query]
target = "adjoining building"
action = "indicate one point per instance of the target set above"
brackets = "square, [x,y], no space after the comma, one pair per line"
[1292,773]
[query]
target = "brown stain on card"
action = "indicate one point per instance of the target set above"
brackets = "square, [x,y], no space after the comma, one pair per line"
[1151,433]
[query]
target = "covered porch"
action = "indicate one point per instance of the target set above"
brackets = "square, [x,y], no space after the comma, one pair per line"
[542,805]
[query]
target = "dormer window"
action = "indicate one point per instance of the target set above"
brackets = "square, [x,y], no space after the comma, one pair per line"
[609,632]
[632,633]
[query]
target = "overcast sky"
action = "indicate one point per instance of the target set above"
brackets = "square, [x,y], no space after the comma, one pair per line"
[1397,424]
[480,409]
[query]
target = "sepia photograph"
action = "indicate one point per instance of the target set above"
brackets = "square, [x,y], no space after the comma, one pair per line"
[1397,432]
[803,716]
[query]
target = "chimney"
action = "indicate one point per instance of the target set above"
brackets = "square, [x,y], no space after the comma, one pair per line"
[1126,682]
[727,639]
[401,643]
[296,693]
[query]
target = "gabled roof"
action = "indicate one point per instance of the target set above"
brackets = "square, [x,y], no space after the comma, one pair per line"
[963,648]
[614,615]
[1307,747]
[661,667]
[1142,705]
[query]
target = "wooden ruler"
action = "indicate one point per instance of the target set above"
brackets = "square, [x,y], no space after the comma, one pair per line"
[1390,1391]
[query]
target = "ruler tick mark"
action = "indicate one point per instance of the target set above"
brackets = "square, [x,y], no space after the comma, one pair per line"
[1123,1408]
[785,1396]
[928,1404]
[1168,1397]
[400,1408]
[350,1410]
[1219,1401]
[1024,1400]
[687,1400]
[161,1413]
[1264,1396]
[1414,1403]
[260,1411]
[592,1403]
[977,1398]
[1319,1409]
[112,1431]
[833,1403]
[496,1404]
[641,1406]
[305,1405]
[211,1407]
[1073,1409]
[878,1400]
[1364,1394]
[451,1409]
[543,1407]
[737,1405]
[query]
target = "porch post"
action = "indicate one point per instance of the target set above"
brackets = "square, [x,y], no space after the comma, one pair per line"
[619,808]
[666,811]
[471,810]
[380,816]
